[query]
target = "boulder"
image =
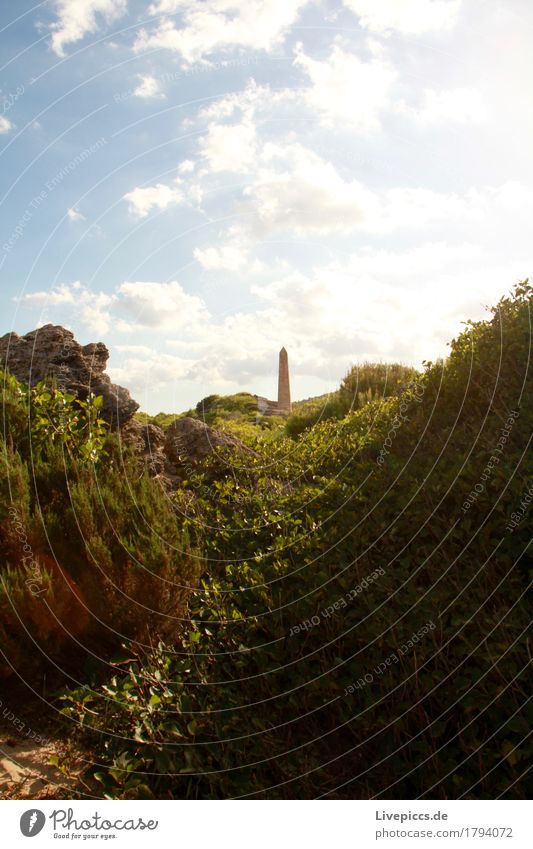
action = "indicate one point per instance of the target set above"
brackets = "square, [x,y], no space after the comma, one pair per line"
[169,456]
[147,441]
[80,369]
[190,440]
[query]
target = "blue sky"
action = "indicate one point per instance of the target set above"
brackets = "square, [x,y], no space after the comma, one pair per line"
[199,182]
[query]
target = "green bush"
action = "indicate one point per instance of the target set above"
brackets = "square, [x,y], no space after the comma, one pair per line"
[372,381]
[91,552]
[307,414]
[326,558]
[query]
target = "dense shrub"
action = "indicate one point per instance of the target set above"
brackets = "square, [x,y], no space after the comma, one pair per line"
[361,385]
[307,414]
[360,627]
[372,381]
[91,553]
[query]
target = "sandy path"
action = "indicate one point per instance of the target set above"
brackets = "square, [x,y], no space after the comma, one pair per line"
[25,769]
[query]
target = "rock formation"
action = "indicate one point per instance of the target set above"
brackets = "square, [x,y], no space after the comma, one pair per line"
[147,441]
[171,456]
[190,440]
[52,351]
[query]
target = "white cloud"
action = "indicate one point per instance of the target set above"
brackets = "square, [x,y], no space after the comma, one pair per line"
[504,208]
[5,125]
[77,18]
[143,350]
[159,305]
[460,105]
[374,304]
[153,370]
[414,264]
[148,87]
[143,199]
[229,257]
[293,190]
[379,304]
[161,7]
[95,312]
[390,305]
[74,215]
[229,147]
[346,88]
[252,98]
[62,294]
[220,24]
[297,190]
[366,307]
[132,306]
[411,17]
[92,308]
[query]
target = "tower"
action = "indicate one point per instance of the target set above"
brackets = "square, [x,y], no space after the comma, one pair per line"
[284,386]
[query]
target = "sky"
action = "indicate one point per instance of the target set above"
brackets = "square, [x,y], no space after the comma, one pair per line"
[199,182]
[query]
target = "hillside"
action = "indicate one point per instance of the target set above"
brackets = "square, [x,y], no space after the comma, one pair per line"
[338,612]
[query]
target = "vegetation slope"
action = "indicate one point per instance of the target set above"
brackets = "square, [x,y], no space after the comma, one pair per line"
[341,615]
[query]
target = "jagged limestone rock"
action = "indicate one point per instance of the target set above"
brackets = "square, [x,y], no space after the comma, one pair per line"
[190,440]
[53,351]
[147,441]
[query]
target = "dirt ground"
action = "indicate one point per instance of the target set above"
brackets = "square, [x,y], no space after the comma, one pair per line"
[38,760]
[44,768]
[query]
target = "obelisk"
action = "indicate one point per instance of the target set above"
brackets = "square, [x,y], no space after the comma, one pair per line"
[284,386]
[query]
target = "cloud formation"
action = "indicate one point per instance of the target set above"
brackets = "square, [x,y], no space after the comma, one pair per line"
[5,125]
[78,18]
[132,306]
[148,87]
[218,25]
[142,200]
[410,17]
[450,106]
[75,215]
[347,88]
[229,147]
